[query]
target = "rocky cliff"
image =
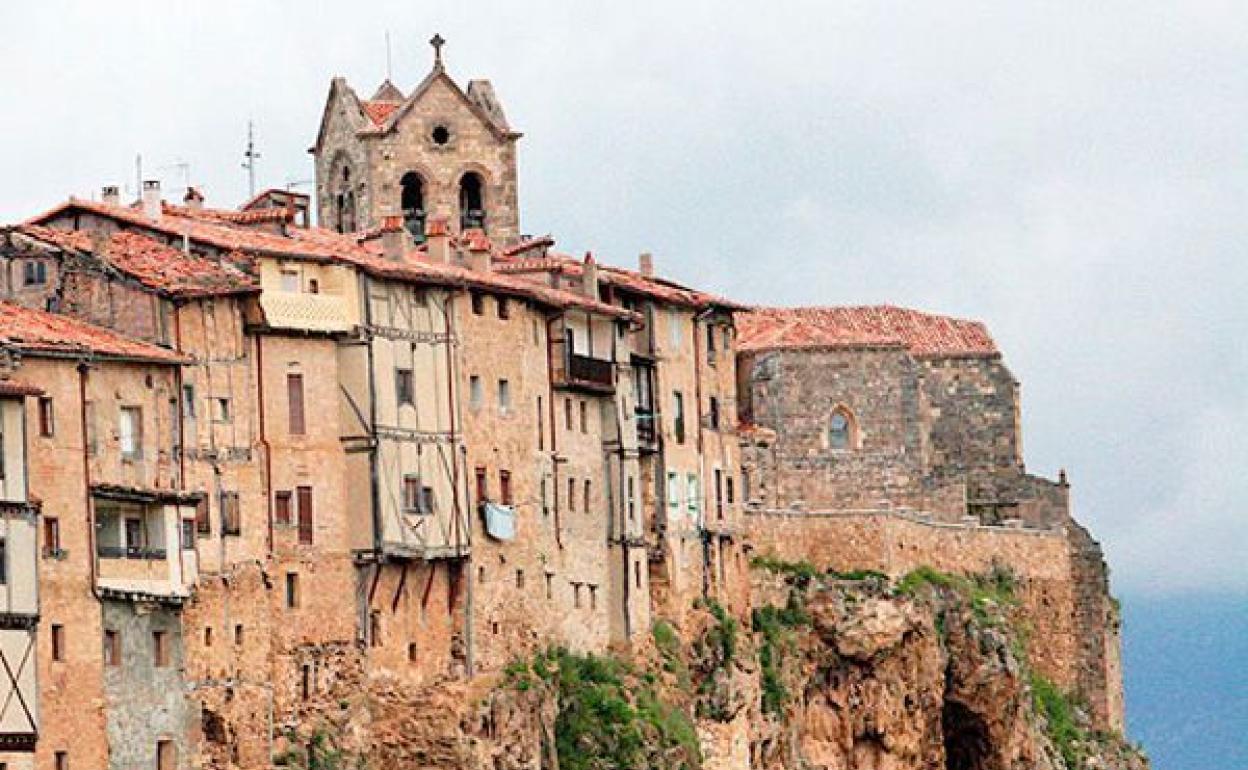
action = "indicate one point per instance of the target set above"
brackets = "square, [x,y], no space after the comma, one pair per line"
[837,671]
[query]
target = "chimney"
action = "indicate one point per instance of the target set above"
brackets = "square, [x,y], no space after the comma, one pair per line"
[193,199]
[393,237]
[111,195]
[645,264]
[589,276]
[478,251]
[151,198]
[438,240]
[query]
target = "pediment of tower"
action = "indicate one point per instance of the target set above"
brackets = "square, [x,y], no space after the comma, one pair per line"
[436,94]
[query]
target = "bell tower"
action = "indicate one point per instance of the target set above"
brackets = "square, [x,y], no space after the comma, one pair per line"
[439,151]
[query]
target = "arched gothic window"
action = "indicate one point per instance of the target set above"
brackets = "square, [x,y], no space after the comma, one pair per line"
[841,430]
[345,203]
[412,201]
[471,201]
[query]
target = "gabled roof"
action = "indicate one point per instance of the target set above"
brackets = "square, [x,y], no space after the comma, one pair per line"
[387,92]
[438,74]
[660,289]
[925,335]
[36,332]
[153,264]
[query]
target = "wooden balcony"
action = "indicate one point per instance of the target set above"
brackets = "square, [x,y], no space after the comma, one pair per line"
[595,375]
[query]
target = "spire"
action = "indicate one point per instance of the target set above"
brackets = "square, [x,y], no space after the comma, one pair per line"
[437,41]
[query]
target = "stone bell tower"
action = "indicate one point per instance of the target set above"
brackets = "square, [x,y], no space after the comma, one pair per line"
[440,151]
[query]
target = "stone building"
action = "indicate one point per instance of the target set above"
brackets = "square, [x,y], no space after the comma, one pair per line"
[281,465]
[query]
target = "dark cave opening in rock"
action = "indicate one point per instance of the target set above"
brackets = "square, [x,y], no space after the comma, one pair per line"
[966,739]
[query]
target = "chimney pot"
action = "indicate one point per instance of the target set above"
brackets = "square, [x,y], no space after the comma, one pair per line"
[393,237]
[478,251]
[589,276]
[193,199]
[645,264]
[111,195]
[438,240]
[151,198]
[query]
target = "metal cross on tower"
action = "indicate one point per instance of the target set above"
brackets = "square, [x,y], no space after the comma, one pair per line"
[437,41]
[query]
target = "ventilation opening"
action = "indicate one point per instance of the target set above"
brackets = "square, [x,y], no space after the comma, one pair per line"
[966,739]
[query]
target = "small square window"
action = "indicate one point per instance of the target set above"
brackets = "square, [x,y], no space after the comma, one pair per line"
[47,417]
[160,649]
[403,386]
[224,413]
[476,394]
[478,303]
[112,647]
[292,590]
[58,641]
[504,395]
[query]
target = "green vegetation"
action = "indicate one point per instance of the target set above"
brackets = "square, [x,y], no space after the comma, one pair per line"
[609,714]
[1059,714]
[319,753]
[801,572]
[667,642]
[775,625]
[721,638]
[989,594]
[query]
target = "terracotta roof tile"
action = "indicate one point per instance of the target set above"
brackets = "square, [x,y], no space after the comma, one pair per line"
[36,331]
[154,264]
[379,111]
[923,334]
[11,388]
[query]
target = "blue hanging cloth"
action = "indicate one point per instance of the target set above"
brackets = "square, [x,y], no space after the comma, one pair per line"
[500,521]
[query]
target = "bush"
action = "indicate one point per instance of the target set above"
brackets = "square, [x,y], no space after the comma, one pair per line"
[1059,714]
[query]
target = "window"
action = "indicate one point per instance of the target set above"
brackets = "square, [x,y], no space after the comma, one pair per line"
[504,395]
[292,590]
[51,536]
[403,387]
[282,507]
[314,286]
[586,496]
[593,597]
[504,487]
[166,755]
[203,522]
[545,508]
[483,485]
[223,410]
[471,202]
[303,497]
[411,652]
[541,429]
[710,344]
[727,338]
[188,402]
[584,418]
[692,481]
[678,416]
[290,281]
[504,308]
[673,489]
[675,329]
[550,585]
[374,629]
[58,641]
[719,493]
[632,500]
[840,430]
[130,432]
[160,649]
[519,578]
[571,494]
[231,516]
[412,204]
[411,493]
[34,272]
[476,394]
[207,636]
[305,682]
[728,489]
[440,135]
[47,417]
[478,303]
[294,403]
[134,534]
[238,634]
[4,562]
[188,535]
[62,760]
[567,414]
[714,416]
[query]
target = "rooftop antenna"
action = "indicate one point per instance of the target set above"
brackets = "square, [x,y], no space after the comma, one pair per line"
[250,156]
[389,59]
[183,168]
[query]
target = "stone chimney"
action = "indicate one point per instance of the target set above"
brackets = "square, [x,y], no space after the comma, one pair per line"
[589,276]
[111,195]
[151,198]
[645,264]
[193,199]
[393,237]
[438,240]
[479,252]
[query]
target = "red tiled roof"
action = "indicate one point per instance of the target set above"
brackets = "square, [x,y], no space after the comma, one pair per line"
[154,264]
[36,331]
[923,334]
[379,111]
[320,244]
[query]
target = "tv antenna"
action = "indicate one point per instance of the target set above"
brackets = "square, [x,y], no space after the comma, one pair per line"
[250,156]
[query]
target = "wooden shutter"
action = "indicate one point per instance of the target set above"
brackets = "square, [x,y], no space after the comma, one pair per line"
[294,398]
[305,515]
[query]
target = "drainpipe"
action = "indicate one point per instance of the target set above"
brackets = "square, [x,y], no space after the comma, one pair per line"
[554,441]
[697,389]
[374,452]
[452,409]
[83,368]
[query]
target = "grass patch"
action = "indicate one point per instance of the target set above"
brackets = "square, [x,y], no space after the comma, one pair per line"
[802,572]
[775,626]
[1059,713]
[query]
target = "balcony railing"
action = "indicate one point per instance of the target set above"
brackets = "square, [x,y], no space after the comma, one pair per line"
[585,372]
[647,427]
[131,552]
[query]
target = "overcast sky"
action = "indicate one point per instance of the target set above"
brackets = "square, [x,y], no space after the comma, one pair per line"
[1072,173]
